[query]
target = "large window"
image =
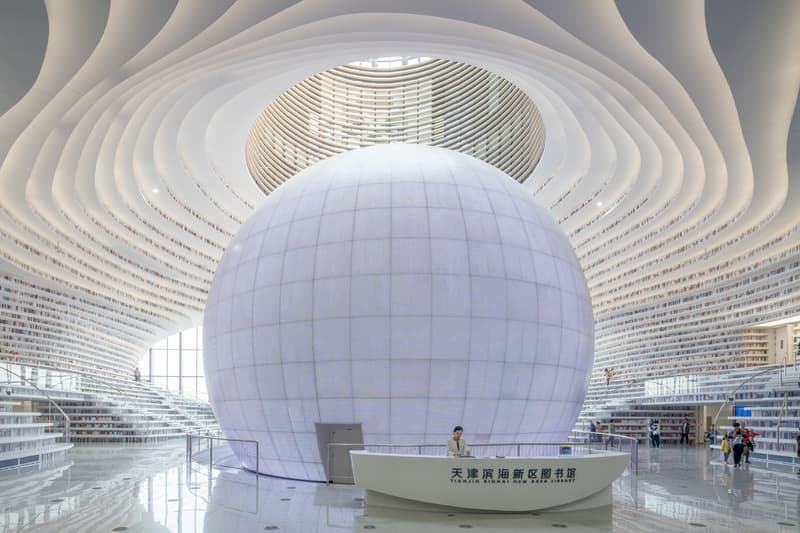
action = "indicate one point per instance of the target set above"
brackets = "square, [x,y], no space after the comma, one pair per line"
[176,363]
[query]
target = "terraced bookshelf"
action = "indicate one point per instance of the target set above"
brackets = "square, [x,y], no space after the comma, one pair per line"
[25,441]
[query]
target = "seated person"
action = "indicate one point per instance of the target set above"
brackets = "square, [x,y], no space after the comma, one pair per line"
[457,446]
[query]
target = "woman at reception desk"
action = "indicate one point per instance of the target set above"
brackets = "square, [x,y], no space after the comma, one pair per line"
[553,476]
[457,446]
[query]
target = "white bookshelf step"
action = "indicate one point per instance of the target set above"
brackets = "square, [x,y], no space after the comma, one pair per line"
[29,438]
[28,425]
[16,454]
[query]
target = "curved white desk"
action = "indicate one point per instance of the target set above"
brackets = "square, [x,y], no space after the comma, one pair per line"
[490,484]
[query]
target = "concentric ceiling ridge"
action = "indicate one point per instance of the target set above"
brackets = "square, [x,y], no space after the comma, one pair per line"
[671,158]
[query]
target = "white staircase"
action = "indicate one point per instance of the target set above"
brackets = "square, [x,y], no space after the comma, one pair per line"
[103,409]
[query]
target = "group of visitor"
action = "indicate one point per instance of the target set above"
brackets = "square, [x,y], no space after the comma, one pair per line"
[741,443]
[655,433]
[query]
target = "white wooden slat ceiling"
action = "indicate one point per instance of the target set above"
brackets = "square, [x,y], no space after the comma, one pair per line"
[671,157]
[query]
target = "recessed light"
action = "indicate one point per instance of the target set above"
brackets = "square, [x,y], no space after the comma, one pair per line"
[155,190]
[599,204]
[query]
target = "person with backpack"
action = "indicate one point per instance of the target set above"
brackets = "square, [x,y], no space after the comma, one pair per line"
[738,448]
[685,431]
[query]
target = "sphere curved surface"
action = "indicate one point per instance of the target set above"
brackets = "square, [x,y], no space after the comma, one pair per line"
[403,287]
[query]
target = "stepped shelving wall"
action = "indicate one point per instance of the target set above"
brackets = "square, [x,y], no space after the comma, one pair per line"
[634,421]
[774,414]
[770,394]
[107,410]
[25,441]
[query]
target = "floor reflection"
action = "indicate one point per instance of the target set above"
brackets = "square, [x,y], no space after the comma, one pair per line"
[282,504]
[150,489]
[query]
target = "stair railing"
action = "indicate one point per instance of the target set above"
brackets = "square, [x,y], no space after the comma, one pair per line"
[170,396]
[780,419]
[117,397]
[732,396]
[181,393]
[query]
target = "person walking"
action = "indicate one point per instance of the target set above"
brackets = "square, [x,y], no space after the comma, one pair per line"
[749,437]
[685,431]
[726,448]
[738,448]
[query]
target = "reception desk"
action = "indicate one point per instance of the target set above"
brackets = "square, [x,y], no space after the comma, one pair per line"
[490,484]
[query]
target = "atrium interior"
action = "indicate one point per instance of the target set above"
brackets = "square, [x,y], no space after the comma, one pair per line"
[259,259]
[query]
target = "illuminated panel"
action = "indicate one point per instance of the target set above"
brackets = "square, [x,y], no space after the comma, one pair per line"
[405,287]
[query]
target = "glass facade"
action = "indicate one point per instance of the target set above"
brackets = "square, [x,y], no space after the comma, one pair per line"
[176,363]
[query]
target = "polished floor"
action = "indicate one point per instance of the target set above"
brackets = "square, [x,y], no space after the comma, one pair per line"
[148,489]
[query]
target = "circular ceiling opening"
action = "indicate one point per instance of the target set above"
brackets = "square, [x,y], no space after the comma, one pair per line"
[387,62]
[400,99]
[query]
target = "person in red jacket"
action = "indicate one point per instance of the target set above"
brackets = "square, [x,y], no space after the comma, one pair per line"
[749,442]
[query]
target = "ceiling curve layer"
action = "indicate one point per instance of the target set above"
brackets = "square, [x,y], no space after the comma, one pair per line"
[672,159]
[437,102]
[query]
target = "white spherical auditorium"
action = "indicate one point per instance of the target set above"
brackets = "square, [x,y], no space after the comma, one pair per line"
[404,287]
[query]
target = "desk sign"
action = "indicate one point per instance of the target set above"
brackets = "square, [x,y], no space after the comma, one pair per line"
[522,476]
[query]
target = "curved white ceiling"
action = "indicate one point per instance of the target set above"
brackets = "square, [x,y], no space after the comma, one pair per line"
[123,172]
